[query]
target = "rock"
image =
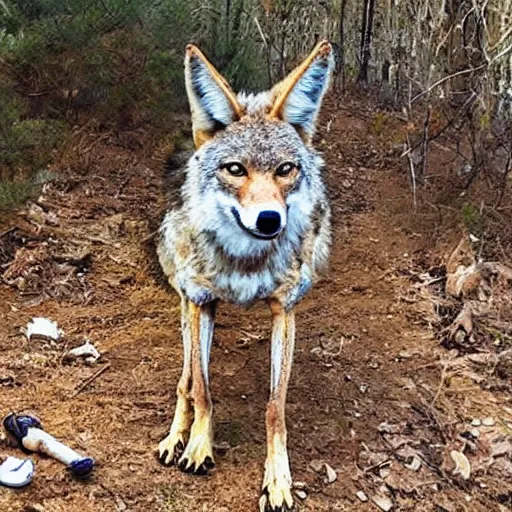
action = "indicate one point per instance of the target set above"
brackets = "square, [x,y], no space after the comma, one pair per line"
[316,465]
[222,448]
[462,465]
[414,464]
[331,474]
[475,433]
[302,495]
[362,496]
[300,485]
[383,502]
[6,379]
[384,470]
[120,505]
[488,422]
[475,422]
[35,507]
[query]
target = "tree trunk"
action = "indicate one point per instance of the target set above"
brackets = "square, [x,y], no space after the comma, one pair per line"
[340,68]
[228,17]
[366,37]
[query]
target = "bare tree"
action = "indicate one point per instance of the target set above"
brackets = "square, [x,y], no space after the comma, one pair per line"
[366,37]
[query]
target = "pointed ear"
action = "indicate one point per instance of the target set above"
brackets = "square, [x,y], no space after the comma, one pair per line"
[298,97]
[213,104]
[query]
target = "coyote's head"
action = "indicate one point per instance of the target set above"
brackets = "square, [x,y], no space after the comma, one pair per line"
[254,176]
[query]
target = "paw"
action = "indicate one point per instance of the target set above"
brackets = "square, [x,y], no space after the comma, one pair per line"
[197,457]
[171,448]
[277,486]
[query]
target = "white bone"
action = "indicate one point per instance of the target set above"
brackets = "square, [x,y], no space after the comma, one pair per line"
[87,350]
[38,440]
[44,328]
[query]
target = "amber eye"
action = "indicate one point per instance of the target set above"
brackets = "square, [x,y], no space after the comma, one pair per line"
[235,169]
[285,169]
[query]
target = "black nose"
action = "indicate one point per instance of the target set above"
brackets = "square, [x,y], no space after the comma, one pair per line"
[268,222]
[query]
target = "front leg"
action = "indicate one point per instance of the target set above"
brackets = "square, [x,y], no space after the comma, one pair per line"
[171,448]
[198,455]
[277,480]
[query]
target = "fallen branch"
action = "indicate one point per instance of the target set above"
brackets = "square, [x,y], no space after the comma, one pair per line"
[90,380]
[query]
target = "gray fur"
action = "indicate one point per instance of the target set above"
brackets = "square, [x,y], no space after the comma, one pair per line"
[201,244]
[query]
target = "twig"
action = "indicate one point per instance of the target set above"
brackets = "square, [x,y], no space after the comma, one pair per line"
[7,231]
[431,281]
[440,387]
[446,78]
[412,172]
[90,380]
[261,31]
[150,236]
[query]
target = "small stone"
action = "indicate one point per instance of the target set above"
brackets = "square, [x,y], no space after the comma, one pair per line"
[6,379]
[475,422]
[383,502]
[363,388]
[475,433]
[362,496]
[414,464]
[331,474]
[488,422]
[120,505]
[243,397]
[384,470]
[302,495]
[222,447]
[316,465]
[300,485]
[35,507]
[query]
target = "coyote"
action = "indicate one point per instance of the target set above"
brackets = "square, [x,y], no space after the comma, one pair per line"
[253,224]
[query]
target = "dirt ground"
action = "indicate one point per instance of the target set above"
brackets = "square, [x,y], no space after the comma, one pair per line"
[368,393]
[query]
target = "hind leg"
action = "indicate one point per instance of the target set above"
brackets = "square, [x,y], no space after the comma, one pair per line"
[171,448]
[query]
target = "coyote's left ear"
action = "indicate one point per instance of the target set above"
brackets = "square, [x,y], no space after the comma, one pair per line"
[212,102]
[298,97]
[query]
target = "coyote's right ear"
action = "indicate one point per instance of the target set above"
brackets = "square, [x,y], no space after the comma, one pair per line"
[213,104]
